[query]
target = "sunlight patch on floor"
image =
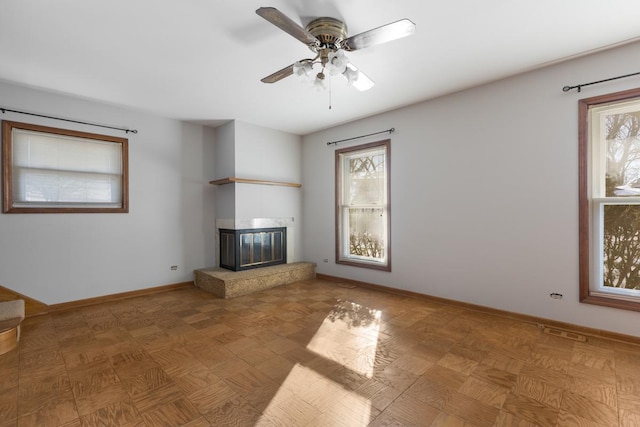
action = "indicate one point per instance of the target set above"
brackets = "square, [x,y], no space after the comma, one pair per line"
[349,336]
[306,396]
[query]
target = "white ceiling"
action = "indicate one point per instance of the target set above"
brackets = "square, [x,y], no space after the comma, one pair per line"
[203,60]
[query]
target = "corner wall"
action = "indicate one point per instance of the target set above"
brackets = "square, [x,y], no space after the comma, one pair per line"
[254,152]
[484,193]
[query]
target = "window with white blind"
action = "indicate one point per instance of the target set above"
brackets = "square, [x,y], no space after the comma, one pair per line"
[362,206]
[49,170]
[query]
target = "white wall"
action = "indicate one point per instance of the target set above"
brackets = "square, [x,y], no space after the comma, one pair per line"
[270,155]
[484,199]
[64,257]
[224,160]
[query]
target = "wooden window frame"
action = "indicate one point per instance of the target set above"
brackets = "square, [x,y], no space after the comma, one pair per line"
[586,220]
[7,171]
[340,258]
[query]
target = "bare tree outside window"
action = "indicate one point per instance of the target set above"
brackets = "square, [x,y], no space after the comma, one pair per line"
[621,246]
[366,230]
[623,154]
[621,236]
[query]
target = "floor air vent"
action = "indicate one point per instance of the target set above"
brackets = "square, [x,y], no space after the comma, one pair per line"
[565,334]
[346,285]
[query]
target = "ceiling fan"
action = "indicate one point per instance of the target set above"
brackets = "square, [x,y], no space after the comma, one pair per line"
[327,39]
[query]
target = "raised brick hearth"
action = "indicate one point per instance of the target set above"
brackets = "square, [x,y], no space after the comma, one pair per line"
[228,284]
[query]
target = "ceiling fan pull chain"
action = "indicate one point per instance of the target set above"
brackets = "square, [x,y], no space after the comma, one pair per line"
[329,94]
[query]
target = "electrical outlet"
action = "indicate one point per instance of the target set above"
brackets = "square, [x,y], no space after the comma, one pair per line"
[174,267]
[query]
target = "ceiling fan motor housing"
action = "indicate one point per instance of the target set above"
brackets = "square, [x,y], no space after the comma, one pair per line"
[330,32]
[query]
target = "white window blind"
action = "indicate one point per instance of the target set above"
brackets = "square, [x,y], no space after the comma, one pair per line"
[51,169]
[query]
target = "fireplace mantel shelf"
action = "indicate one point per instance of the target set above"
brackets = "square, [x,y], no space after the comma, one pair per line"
[231,180]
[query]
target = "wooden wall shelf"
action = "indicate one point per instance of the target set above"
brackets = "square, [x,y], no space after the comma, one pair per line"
[231,180]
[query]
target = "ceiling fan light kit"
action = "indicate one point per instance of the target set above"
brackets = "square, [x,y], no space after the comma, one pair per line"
[327,38]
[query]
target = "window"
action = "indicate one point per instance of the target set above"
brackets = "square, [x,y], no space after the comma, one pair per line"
[609,155]
[55,170]
[362,206]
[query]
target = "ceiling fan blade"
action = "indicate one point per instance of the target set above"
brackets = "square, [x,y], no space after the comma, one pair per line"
[278,75]
[287,25]
[357,78]
[386,33]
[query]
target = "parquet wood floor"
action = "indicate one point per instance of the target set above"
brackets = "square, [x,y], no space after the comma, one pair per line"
[308,354]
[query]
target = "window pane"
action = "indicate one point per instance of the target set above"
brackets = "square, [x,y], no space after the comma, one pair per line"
[623,154]
[367,232]
[30,186]
[621,246]
[366,184]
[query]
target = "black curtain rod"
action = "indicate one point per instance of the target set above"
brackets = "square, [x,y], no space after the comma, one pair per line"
[568,88]
[125,130]
[362,136]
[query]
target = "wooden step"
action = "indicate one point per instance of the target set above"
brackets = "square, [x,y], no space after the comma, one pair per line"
[11,316]
[32,307]
[8,340]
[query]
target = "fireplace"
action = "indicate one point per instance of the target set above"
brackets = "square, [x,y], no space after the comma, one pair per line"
[252,248]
